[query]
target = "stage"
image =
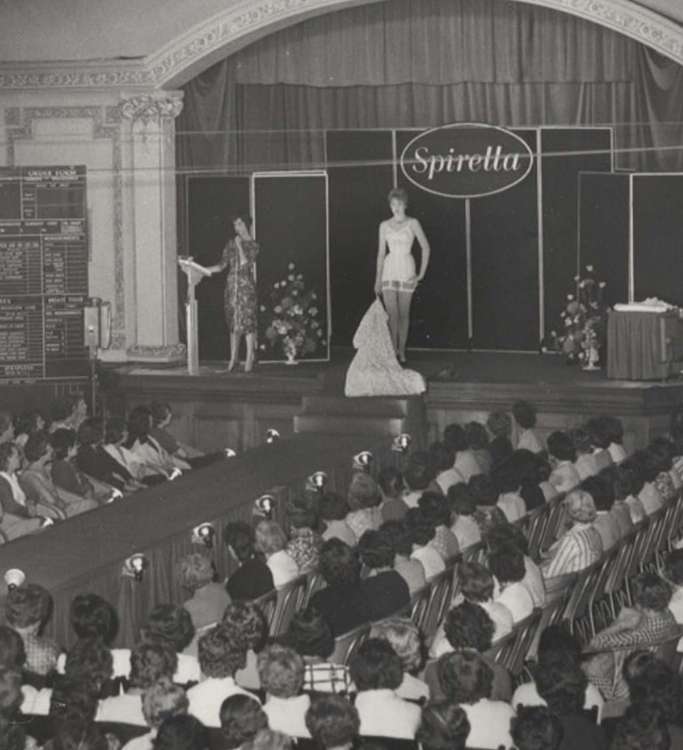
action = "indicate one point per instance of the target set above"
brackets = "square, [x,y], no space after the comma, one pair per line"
[220,408]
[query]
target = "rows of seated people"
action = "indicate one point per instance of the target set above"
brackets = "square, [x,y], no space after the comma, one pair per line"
[207,674]
[57,466]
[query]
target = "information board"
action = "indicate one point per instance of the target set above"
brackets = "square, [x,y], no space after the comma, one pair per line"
[43,273]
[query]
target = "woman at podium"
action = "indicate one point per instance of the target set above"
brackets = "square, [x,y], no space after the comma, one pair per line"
[239,257]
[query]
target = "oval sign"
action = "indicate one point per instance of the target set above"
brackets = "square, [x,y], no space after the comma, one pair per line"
[466,160]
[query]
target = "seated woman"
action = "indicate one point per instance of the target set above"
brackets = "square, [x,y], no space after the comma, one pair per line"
[92,459]
[463,508]
[467,680]
[499,425]
[173,625]
[184,456]
[66,475]
[565,476]
[384,588]
[363,497]
[455,438]
[304,539]
[478,440]
[241,719]
[18,514]
[146,449]
[612,433]
[404,637]
[506,563]
[332,722]
[248,620]
[422,532]
[442,457]
[542,474]
[437,509]
[281,671]
[377,673]
[443,725]
[613,522]
[391,485]
[197,575]
[627,484]
[333,511]
[524,413]
[646,466]
[661,451]
[25,425]
[508,482]
[342,602]
[398,535]
[37,483]
[253,577]
[271,542]
[160,701]
[649,623]
[418,476]
[310,635]
[485,494]
[586,464]
[115,437]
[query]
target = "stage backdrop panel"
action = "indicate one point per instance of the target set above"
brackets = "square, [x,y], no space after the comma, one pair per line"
[565,152]
[212,203]
[604,231]
[291,226]
[438,316]
[657,204]
[505,285]
[359,164]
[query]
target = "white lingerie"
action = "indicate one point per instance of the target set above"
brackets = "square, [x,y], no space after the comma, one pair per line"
[399,264]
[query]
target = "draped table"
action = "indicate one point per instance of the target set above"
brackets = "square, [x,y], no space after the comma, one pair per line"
[644,345]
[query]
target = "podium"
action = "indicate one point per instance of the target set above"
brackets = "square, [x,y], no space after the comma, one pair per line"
[195,273]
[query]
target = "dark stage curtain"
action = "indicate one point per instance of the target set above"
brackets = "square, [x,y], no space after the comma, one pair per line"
[422,63]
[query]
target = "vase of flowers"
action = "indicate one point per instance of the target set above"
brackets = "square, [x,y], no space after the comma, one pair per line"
[295,321]
[584,323]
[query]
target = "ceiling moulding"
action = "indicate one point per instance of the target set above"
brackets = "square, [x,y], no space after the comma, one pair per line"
[225,33]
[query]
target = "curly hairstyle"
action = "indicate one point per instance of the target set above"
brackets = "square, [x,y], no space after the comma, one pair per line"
[499,424]
[89,661]
[441,456]
[582,440]
[599,433]
[309,634]
[469,626]
[339,563]
[376,550]
[464,677]
[239,535]
[477,437]
[398,194]
[182,732]
[461,499]
[524,413]
[76,732]
[561,683]
[363,492]
[241,719]
[443,726]
[558,639]
[651,592]
[536,728]
[561,447]
[601,490]
[12,651]
[91,616]
[332,721]
[398,535]
[151,661]
[269,537]
[436,507]
[247,621]
[28,605]
[36,446]
[421,527]
[303,511]
[375,666]
[405,638]
[476,582]
[281,671]
[506,535]
[222,652]
[455,438]
[267,739]
[653,682]
[483,490]
[333,507]
[506,563]
[172,623]
[627,480]
[70,700]
[162,700]
[642,726]
[195,570]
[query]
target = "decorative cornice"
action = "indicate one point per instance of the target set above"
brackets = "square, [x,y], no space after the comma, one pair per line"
[152,108]
[228,31]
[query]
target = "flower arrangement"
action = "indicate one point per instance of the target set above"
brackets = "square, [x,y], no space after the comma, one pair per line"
[295,318]
[584,322]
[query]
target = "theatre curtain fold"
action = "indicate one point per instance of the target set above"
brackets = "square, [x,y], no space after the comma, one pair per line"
[423,63]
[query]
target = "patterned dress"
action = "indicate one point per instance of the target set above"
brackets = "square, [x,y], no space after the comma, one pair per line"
[240,287]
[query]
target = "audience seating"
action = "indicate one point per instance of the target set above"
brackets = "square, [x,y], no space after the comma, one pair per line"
[346,644]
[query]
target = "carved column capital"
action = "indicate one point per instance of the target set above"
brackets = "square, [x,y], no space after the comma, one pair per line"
[152,108]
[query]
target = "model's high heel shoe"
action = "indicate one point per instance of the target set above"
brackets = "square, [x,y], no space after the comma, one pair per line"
[249,364]
[231,365]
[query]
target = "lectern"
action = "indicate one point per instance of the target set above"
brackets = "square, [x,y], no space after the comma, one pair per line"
[195,273]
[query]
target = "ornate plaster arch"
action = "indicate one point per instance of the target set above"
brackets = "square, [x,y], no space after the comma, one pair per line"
[237,26]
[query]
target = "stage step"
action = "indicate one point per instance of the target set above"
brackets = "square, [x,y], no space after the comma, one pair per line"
[337,406]
[349,425]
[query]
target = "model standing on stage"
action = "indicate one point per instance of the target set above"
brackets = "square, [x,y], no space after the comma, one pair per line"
[239,257]
[396,278]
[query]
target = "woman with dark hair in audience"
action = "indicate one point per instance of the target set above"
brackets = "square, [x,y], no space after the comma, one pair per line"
[18,514]
[466,680]
[12,735]
[310,635]
[181,732]
[557,643]
[485,494]
[271,542]
[506,535]
[506,563]
[627,485]
[422,531]
[391,485]
[442,457]
[612,522]
[642,728]
[478,440]
[114,443]
[562,451]
[667,482]
[253,577]
[185,456]
[12,651]
[222,652]
[405,638]
[443,726]
[92,459]
[281,671]
[342,603]
[332,722]
[377,673]
[398,536]
[418,476]
[586,462]
[646,465]
[526,465]
[304,540]
[508,482]
[146,449]
[455,438]
[363,498]
[542,472]
[197,575]
[241,719]
[248,620]
[600,442]
[649,623]
[37,483]
[536,728]
[524,413]
[463,507]
[437,509]
[333,511]
[385,590]
[67,476]
[160,701]
[499,425]
[173,624]
[25,425]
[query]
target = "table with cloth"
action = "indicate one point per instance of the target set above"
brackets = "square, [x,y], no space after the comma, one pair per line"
[643,345]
